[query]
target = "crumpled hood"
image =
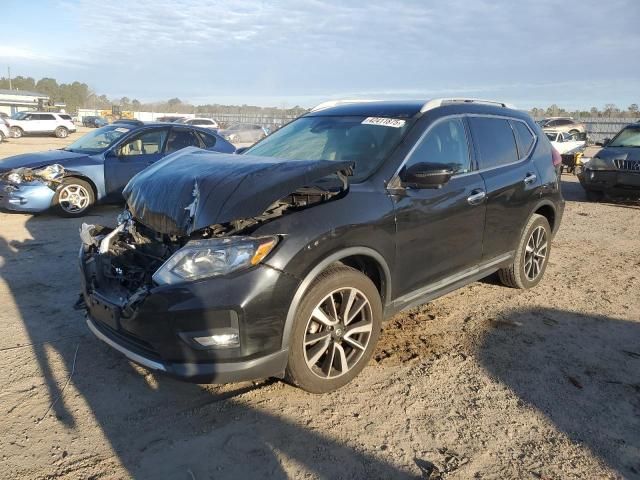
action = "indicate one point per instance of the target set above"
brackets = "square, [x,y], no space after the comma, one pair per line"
[193,188]
[618,153]
[39,159]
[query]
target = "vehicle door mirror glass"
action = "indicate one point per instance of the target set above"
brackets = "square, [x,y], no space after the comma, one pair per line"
[425,175]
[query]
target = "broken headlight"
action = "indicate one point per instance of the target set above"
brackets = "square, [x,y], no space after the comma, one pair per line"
[213,257]
[14,178]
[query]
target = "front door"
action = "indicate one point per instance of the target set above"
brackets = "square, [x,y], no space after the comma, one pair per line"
[439,231]
[131,157]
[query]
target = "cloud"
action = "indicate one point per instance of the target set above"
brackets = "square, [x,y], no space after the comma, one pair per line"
[316,48]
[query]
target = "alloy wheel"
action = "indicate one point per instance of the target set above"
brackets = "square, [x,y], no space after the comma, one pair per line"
[74,198]
[535,253]
[338,333]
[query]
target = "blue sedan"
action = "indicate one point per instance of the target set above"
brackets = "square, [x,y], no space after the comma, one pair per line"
[96,167]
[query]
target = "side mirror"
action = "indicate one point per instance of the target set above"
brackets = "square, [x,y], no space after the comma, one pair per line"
[241,150]
[425,175]
[603,143]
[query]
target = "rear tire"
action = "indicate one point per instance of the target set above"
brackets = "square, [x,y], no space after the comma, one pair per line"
[336,328]
[531,257]
[61,132]
[16,132]
[73,198]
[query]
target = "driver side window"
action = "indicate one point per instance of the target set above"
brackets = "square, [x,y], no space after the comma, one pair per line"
[444,145]
[148,143]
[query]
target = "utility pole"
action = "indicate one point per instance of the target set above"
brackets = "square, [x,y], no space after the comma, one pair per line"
[9,75]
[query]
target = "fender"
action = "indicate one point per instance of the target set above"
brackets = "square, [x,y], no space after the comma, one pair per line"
[545,202]
[319,268]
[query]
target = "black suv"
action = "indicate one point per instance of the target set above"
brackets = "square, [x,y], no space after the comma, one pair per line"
[615,169]
[285,260]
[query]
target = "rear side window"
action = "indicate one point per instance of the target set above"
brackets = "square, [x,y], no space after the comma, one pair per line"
[179,138]
[524,138]
[494,140]
[209,141]
[44,116]
[65,117]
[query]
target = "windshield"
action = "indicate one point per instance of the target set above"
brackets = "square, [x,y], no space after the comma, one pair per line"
[367,141]
[628,137]
[98,140]
[552,136]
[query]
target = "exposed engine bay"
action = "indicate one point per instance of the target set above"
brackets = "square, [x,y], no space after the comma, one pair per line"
[120,262]
[50,175]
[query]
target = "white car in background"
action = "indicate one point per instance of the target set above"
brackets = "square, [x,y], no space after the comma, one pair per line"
[41,123]
[4,129]
[200,122]
[565,143]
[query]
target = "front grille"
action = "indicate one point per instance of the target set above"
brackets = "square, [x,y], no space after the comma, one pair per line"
[630,165]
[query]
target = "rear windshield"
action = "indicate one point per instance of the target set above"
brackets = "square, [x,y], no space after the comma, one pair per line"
[628,137]
[367,141]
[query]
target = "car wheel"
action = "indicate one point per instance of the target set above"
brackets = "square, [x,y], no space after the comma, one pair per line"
[594,195]
[73,198]
[16,132]
[62,132]
[336,329]
[531,257]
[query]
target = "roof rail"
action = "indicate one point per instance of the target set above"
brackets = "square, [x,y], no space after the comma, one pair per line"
[335,103]
[439,102]
[127,121]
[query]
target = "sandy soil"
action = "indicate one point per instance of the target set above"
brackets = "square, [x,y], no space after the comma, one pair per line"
[487,382]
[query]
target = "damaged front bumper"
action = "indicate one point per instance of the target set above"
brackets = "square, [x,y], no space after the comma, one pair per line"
[157,326]
[25,197]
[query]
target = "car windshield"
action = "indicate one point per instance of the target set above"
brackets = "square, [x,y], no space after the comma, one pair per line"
[628,137]
[367,141]
[98,140]
[552,136]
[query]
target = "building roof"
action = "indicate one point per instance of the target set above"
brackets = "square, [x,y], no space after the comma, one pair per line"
[24,93]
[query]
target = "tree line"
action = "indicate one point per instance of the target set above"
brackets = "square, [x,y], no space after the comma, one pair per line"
[78,95]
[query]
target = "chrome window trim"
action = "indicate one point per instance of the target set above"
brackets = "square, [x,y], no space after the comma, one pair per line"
[395,177]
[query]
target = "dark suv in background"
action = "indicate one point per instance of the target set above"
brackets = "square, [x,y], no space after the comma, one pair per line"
[284,261]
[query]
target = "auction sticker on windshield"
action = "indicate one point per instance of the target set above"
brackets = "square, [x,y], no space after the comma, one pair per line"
[122,130]
[384,122]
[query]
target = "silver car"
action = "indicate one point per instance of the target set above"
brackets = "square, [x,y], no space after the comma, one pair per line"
[243,133]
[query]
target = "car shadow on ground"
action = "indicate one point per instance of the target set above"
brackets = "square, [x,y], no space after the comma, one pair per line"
[582,371]
[157,427]
[572,191]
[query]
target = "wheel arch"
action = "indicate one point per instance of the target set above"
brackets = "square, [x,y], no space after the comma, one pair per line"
[365,259]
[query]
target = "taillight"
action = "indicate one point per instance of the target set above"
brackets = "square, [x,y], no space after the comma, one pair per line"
[556,158]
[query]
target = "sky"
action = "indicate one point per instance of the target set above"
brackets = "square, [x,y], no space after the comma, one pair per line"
[301,52]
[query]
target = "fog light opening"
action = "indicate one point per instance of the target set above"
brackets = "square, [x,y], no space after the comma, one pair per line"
[229,338]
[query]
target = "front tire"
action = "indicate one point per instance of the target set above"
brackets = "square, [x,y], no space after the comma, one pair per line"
[16,132]
[73,198]
[532,255]
[61,132]
[335,332]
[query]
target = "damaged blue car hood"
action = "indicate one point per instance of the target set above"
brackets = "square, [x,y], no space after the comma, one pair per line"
[40,159]
[193,188]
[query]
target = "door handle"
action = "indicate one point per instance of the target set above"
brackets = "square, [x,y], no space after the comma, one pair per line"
[530,178]
[476,197]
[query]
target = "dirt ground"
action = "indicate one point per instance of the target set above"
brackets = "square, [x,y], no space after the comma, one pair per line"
[487,382]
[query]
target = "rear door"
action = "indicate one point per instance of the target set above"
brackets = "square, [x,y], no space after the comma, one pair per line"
[132,156]
[47,123]
[439,230]
[511,178]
